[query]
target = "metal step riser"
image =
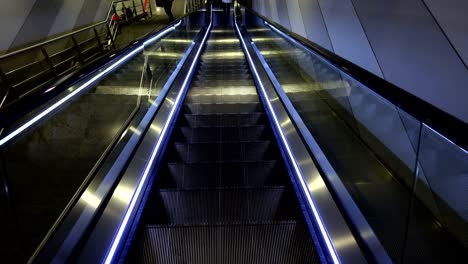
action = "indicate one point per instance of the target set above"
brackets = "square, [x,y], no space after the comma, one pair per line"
[222,175]
[223,83]
[227,65]
[216,71]
[282,243]
[211,206]
[225,90]
[213,69]
[222,108]
[222,99]
[229,134]
[228,120]
[225,76]
[198,152]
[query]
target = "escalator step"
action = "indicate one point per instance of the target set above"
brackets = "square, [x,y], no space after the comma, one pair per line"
[223,134]
[224,151]
[222,83]
[231,108]
[225,90]
[216,71]
[222,98]
[223,174]
[224,120]
[223,205]
[287,242]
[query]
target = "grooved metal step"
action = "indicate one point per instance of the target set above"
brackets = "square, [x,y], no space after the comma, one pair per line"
[231,108]
[223,205]
[223,151]
[224,120]
[222,98]
[221,83]
[286,242]
[225,90]
[223,134]
[223,174]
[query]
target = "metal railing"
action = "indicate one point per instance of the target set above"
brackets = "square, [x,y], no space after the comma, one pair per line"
[30,68]
[125,11]
[35,67]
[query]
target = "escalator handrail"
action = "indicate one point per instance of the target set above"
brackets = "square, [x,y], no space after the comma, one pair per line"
[446,124]
[15,110]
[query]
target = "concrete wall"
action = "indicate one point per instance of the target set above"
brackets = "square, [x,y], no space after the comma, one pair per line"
[26,21]
[419,45]
[452,18]
[12,19]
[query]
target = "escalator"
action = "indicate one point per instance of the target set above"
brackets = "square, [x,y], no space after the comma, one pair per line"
[210,181]
[223,141]
[223,193]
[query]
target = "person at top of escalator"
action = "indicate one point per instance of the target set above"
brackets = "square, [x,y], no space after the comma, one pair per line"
[167,4]
[227,11]
[128,12]
[227,4]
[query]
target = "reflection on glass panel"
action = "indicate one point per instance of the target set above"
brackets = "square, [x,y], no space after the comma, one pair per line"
[373,146]
[442,187]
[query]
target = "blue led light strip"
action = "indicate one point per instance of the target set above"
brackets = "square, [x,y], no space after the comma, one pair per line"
[123,226]
[47,111]
[316,214]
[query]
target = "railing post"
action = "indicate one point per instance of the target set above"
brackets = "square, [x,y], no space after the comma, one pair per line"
[49,61]
[77,47]
[111,36]
[150,8]
[98,40]
[7,83]
[134,8]
[142,7]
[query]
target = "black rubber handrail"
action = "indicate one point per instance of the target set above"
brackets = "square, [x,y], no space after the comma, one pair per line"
[16,109]
[444,123]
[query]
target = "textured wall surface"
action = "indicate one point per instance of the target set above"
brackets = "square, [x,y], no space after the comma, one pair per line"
[26,21]
[12,18]
[452,18]
[419,45]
